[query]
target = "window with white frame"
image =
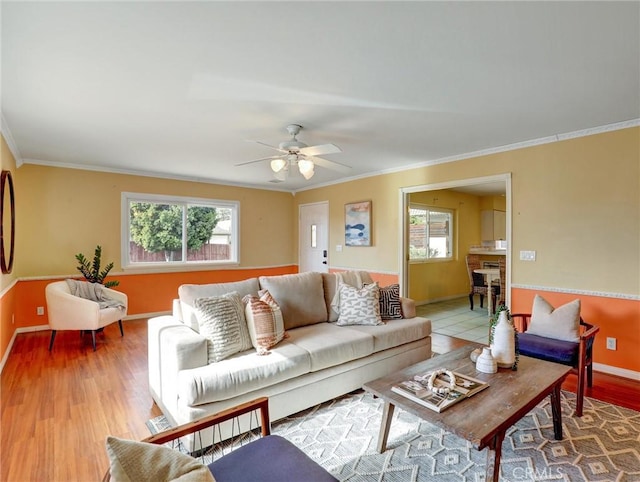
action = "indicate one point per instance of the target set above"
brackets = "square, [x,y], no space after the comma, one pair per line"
[172,231]
[430,233]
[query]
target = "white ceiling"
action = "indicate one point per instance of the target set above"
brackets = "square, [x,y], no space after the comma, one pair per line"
[176,88]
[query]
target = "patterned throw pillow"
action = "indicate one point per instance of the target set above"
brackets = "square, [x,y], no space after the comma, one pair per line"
[264,319]
[145,462]
[562,323]
[359,306]
[221,321]
[390,307]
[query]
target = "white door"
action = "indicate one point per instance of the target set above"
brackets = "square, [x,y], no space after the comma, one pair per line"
[313,237]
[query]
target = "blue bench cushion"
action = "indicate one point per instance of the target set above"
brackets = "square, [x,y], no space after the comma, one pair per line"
[268,459]
[549,349]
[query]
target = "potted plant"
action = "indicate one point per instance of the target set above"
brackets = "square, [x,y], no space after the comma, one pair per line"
[91,270]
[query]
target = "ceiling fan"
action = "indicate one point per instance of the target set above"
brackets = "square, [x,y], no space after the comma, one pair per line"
[293,152]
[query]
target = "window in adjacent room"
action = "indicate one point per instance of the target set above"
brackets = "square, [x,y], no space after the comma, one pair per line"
[163,231]
[430,233]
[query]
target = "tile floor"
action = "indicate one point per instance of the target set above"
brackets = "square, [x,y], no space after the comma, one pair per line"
[454,318]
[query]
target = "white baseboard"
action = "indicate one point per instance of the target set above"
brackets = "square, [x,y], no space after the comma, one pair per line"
[6,353]
[620,372]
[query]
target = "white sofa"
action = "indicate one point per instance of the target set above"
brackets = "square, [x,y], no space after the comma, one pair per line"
[319,360]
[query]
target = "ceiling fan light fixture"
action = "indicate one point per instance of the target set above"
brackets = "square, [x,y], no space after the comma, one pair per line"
[306,168]
[278,164]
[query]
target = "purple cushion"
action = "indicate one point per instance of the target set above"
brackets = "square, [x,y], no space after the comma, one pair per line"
[268,459]
[549,349]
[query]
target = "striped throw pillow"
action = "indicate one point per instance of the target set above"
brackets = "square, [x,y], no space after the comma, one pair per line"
[390,307]
[265,322]
[221,321]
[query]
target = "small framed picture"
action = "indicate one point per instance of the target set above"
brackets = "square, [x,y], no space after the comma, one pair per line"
[357,224]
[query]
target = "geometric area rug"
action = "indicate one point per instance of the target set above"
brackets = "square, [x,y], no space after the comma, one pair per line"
[341,435]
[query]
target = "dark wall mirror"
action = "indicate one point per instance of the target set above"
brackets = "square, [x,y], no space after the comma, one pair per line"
[8,224]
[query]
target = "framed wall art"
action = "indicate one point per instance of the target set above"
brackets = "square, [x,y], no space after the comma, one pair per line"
[357,224]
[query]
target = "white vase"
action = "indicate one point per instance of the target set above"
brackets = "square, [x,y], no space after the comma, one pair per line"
[504,343]
[485,362]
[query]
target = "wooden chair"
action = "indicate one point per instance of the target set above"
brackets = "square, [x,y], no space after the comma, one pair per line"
[270,458]
[477,284]
[578,355]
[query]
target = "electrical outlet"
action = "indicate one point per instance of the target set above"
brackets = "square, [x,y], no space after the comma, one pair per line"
[527,255]
[40,310]
[611,343]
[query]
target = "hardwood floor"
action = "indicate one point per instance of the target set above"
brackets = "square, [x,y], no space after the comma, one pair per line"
[57,408]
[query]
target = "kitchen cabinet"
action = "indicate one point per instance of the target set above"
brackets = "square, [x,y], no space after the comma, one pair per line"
[493,225]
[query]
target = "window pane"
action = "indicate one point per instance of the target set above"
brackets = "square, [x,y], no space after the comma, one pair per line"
[208,233]
[155,232]
[438,234]
[417,233]
[430,235]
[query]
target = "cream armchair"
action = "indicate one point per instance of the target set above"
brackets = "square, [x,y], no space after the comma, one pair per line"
[69,312]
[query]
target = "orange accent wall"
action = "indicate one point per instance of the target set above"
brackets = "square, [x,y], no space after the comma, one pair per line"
[617,318]
[147,293]
[7,303]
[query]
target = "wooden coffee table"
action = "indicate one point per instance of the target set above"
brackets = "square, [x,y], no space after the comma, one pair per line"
[484,418]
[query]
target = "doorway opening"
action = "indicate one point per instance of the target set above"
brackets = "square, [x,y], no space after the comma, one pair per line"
[439,278]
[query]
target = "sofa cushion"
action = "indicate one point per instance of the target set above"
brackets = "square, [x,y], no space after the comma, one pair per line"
[329,345]
[359,306]
[188,293]
[242,373]
[396,332]
[331,282]
[269,459]
[264,320]
[390,307]
[562,323]
[222,322]
[300,296]
[132,461]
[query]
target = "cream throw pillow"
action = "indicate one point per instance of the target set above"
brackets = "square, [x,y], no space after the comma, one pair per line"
[133,461]
[359,306]
[562,323]
[221,321]
[264,319]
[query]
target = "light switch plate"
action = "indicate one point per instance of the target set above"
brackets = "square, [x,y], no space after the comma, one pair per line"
[338,247]
[527,255]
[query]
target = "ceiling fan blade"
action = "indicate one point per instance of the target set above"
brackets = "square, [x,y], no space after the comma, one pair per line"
[259,160]
[320,150]
[326,163]
[267,145]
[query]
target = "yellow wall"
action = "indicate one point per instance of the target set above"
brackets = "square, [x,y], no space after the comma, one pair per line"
[574,202]
[61,212]
[71,211]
